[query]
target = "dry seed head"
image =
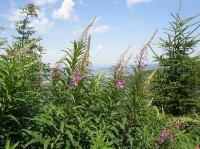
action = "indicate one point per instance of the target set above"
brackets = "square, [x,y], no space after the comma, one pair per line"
[84,34]
[85,38]
[121,64]
[84,63]
[142,56]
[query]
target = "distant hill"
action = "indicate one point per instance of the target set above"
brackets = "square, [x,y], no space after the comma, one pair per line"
[108,69]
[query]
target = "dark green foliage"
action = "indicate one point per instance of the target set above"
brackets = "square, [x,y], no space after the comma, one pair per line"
[92,115]
[177,79]
[23,26]
[69,107]
[26,31]
[18,94]
[20,82]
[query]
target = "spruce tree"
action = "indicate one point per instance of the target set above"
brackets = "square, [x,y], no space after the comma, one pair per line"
[26,37]
[25,29]
[176,78]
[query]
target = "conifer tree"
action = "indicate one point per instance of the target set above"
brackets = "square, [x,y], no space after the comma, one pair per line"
[25,28]
[176,78]
[26,37]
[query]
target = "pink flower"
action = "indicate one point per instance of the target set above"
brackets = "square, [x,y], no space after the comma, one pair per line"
[78,75]
[163,138]
[74,82]
[56,72]
[52,73]
[76,78]
[168,135]
[59,68]
[164,135]
[196,147]
[120,84]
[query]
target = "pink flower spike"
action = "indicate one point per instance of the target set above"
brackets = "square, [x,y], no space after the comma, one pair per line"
[77,75]
[120,84]
[52,73]
[59,67]
[164,135]
[76,78]
[74,82]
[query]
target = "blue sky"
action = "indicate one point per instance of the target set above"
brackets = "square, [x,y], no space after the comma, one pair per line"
[119,24]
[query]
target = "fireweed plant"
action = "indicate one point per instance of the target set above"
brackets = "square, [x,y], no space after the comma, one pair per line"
[68,106]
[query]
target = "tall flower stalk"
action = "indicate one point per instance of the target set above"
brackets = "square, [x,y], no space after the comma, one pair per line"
[82,67]
[139,85]
[118,72]
[56,72]
[76,61]
[167,137]
[85,38]
[76,78]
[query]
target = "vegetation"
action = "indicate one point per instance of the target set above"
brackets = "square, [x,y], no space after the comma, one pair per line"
[176,81]
[69,107]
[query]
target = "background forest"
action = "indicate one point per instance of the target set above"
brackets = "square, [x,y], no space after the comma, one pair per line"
[68,106]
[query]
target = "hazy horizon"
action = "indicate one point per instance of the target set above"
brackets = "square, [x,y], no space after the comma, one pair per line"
[119,23]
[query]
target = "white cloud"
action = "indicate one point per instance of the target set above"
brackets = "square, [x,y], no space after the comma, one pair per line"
[100,47]
[51,1]
[43,2]
[42,23]
[97,50]
[14,15]
[40,2]
[101,29]
[65,11]
[131,2]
